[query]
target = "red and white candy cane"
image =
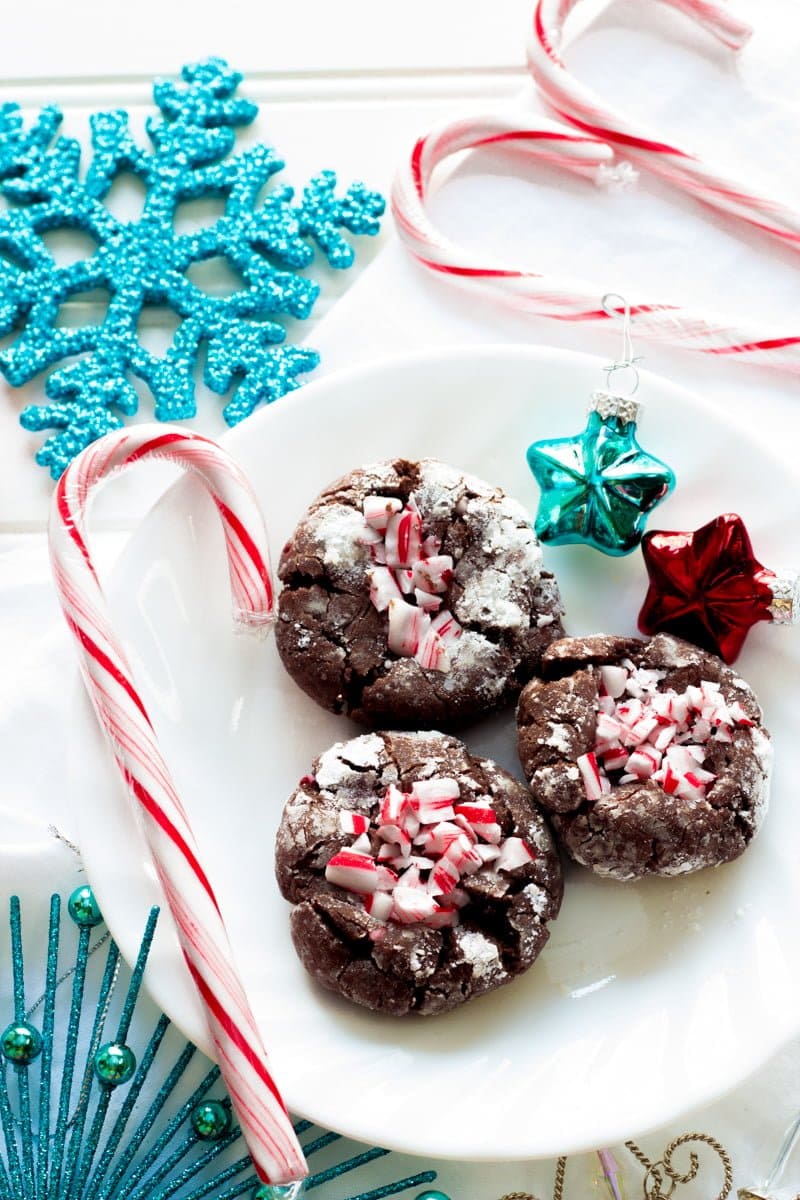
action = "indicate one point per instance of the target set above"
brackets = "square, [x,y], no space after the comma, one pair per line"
[570,99]
[240,1052]
[585,152]
[539,141]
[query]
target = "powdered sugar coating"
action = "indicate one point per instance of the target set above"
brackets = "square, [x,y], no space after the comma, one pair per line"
[343,763]
[483,955]
[334,643]
[339,530]
[638,828]
[397,968]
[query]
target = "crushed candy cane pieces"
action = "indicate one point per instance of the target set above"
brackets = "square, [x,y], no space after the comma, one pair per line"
[407,627]
[378,509]
[455,840]
[350,822]
[408,580]
[352,871]
[383,587]
[513,853]
[379,906]
[645,733]
[432,653]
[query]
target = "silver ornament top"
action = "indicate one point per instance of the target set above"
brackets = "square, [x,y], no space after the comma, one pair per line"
[609,404]
[785,588]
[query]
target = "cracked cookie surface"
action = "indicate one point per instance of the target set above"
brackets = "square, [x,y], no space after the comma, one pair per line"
[398,968]
[333,641]
[637,827]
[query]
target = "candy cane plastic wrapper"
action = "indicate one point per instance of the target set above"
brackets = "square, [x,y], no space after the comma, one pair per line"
[242,1059]
[565,299]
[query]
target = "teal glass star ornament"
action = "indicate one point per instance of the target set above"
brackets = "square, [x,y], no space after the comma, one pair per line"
[599,486]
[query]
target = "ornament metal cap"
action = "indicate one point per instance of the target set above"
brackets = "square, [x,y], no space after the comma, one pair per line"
[785,588]
[747,1194]
[610,404]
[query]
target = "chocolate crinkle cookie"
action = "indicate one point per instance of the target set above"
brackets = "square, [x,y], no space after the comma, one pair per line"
[414,595]
[650,756]
[421,875]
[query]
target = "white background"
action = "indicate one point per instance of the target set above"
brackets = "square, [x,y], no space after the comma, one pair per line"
[350,86]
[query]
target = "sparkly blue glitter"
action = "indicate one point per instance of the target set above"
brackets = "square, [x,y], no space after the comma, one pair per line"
[65,1137]
[145,262]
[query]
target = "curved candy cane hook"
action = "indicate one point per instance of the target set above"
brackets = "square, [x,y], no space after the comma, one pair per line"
[540,141]
[587,154]
[570,99]
[562,299]
[242,1059]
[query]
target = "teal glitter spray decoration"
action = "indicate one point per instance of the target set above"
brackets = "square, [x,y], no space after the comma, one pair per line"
[72,1132]
[599,486]
[144,262]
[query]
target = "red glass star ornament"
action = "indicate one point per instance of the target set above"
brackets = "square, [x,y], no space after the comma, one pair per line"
[707,586]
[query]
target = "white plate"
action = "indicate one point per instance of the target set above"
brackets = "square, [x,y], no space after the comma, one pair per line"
[650,998]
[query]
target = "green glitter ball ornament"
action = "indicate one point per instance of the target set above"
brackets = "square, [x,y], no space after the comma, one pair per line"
[433,1196]
[83,908]
[114,1064]
[211,1120]
[598,486]
[21,1043]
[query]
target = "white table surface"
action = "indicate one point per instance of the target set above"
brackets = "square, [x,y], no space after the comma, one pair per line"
[349,86]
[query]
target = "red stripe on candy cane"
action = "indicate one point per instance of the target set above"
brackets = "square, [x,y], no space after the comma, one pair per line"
[105,662]
[584,109]
[543,37]
[190,895]
[246,1084]
[150,806]
[72,530]
[121,734]
[628,140]
[252,549]
[234,1033]
[530,135]
[765,344]
[214,961]
[475,272]
[157,444]
[416,157]
[593,155]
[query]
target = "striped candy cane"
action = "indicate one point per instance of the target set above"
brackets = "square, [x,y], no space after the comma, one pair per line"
[542,141]
[584,152]
[573,101]
[242,1059]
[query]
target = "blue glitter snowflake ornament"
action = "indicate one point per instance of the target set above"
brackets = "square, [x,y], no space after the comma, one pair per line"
[145,262]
